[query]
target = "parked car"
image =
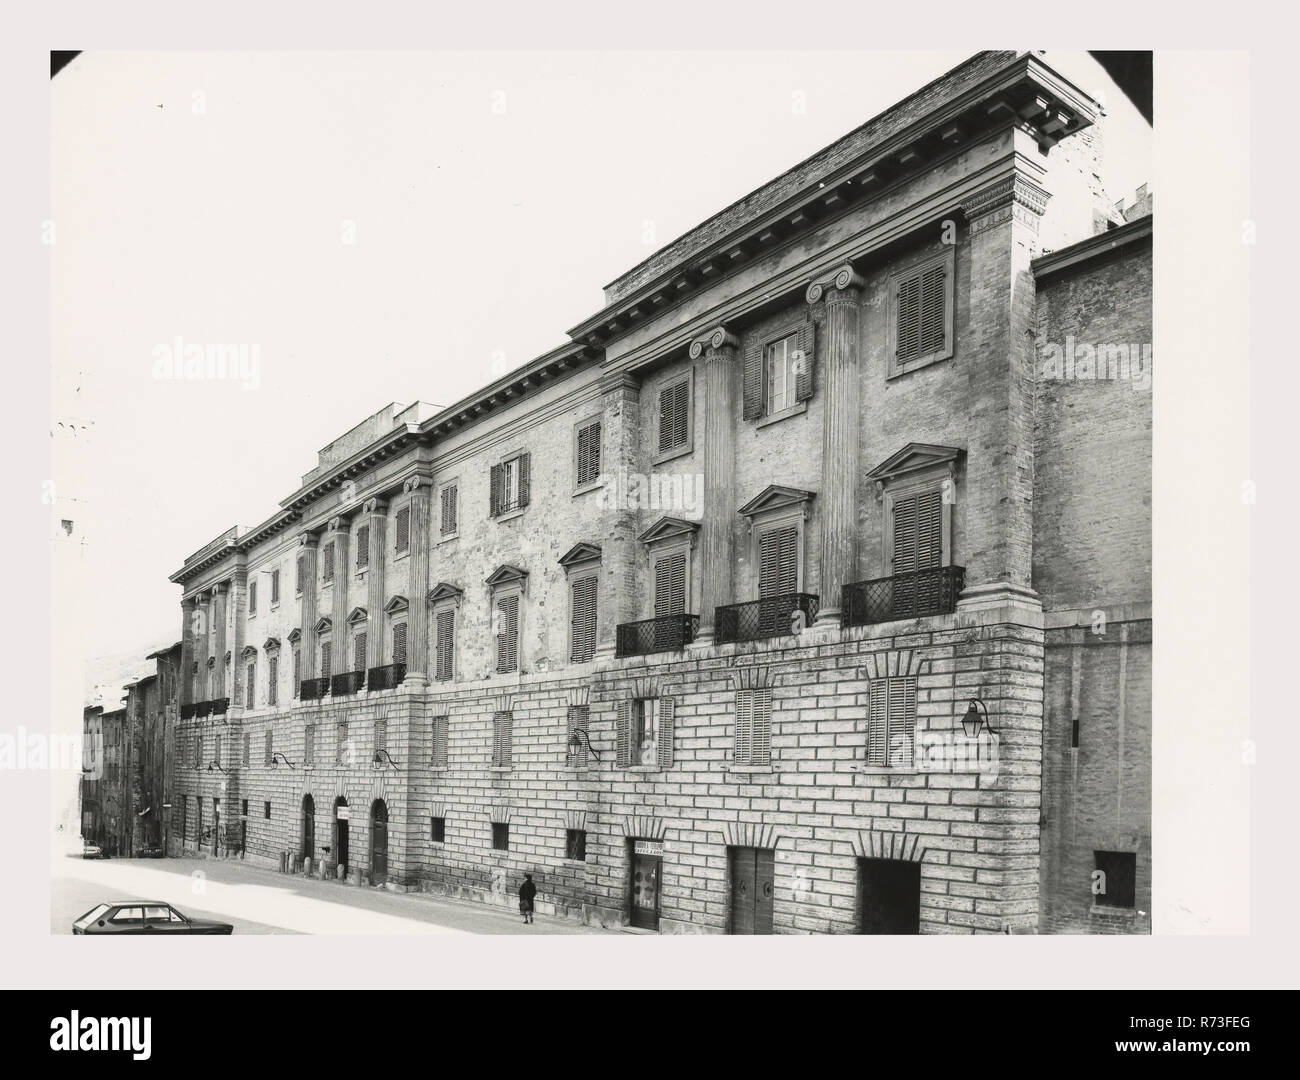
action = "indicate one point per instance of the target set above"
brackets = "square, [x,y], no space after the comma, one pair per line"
[153,851]
[144,917]
[92,851]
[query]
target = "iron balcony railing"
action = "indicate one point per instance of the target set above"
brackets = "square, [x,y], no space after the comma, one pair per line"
[187,710]
[789,613]
[903,596]
[203,708]
[314,689]
[347,682]
[220,705]
[655,635]
[385,678]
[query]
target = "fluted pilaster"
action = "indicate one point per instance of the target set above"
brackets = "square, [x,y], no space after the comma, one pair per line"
[417,614]
[219,595]
[716,420]
[620,598]
[375,516]
[308,547]
[189,606]
[339,535]
[239,604]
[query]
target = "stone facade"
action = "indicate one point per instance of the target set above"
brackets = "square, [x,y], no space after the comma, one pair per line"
[755,380]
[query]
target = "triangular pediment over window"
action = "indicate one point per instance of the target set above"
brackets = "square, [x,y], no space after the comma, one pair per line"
[270,643]
[669,528]
[295,636]
[323,625]
[396,605]
[506,574]
[249,652]
[580,553]
[776,497]
[444,590]
[913,458]
[358,616]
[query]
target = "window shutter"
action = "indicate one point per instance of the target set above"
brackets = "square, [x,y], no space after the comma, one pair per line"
[440,742]
[325,660]
[502,734]
[508,635]
[908,319]
[381,734]
[579,717]
[681,411]
[399,643]
[583,631]
[932,331]
[624,734]
[272,679]
[589,453]
[250,686]
[753,380]
[523,479]
[270,748]
[670,585]
[363,546]
[341,741]
[778,566]
[744,726]
[448,510]
[761,731]
[252,597]
[805,367]
[359,652]
[297,670]
[403,529]
[302,568]
[876,723]
[666,424]
[446,643]
[309,752]
[327,562]
[248,749]
[494,493]
[665,732]
[905,534]
[275,586]
[902,721]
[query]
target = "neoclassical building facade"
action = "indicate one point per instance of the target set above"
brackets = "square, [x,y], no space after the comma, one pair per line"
[791,594]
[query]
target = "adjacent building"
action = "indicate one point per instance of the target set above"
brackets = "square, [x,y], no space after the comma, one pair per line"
[805,588]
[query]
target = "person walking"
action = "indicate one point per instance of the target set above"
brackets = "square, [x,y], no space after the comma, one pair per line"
[526,893]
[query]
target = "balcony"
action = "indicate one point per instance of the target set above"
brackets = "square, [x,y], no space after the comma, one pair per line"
[314,689]
[187,710]
[385,678]
[203,708]
[770,617]
[903,596]
[347,682]
[655,635]
[220,705]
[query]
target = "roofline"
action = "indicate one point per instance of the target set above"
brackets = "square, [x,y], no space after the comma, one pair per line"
[1093,247]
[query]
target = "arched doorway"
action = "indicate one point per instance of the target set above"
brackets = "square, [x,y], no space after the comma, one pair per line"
[341,813]
[308,827]
[378,842]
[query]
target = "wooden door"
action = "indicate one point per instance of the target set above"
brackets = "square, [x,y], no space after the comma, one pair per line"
[753,888]
[646,876]
[378,843]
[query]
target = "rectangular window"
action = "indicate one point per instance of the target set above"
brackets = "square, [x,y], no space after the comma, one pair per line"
[507,629]
[359,652]
[341,743]
[269,749]
[670,585]
[448,510]
[754,727]
[575,845]
[588,453]
[509,485]
[579,718]
[438,830]
[891,722]
[248,749]
[1115,882]
[327,562]
[250,686]
[399,643]
[645,729]
[272,679]
[918,531]
[275,586]
[440,733]
[363,547]
[381,735]
[252,597]
[778,570]
[325,659]
[674,415]
[502,739]
[243,807]
[266,810]
[198,752]
[921,315]
[779,374]
[302,574]
[403,529]
[500,836]
[445,645]
[297,670]
[309,745]
[582,629]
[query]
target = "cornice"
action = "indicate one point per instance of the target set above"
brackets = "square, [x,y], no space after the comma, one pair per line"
[1093,247]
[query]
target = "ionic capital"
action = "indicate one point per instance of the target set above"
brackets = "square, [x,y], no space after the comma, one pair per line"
[842,279]
[715,340]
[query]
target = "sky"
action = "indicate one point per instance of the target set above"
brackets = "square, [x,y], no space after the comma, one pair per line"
[378,226]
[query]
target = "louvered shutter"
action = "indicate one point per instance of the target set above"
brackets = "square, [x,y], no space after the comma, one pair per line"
[908,320]
[805,368]
[403,529]
[753,380]
[446,635]
[667,707]
[905,546]
[503,736]
[359,652]
[297,671]
[381,734]
[681,412]
[302,572]
[269,749]
[579,717]
[325,660]
[363,546]
[589,453]
[448,509]
[309,750]
[902,721]
[272,680]
[523,479]
[932,330]
[496,486]
[670,585]
[624,734]
[399,643]
[341,741]
[744,726]
[787,571]
[508,637]
[440,742]
[327,562]
[877,725]
[250,686]
[275,586]
[584,620]
[252,597]
[248,749]
[761,730]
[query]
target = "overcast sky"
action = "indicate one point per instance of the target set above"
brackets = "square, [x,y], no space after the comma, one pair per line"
[487,196]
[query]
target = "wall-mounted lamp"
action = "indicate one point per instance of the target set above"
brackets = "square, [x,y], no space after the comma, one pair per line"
[578,739]
[278,758]
[973,723]
[215,765]
[381,758]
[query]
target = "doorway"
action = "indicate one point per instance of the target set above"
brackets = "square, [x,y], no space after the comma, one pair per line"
[647,873]
[378,842]
[341,813]
[308,827]
[216,825]
[753,880]
[889,893]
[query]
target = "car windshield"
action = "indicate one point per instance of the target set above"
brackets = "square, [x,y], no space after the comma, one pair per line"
[91,915]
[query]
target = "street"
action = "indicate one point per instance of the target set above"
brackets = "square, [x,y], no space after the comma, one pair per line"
[260,901]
